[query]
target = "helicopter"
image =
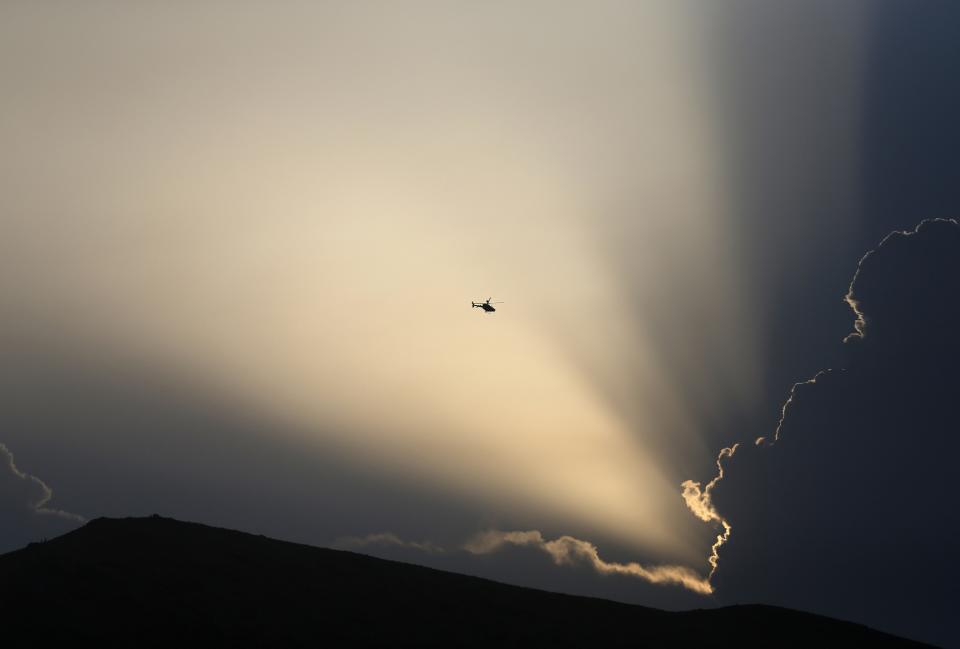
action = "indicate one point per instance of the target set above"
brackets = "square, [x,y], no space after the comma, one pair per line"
[486,306]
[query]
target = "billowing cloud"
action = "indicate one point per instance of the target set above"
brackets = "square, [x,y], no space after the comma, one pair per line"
[700,503]
[24,509]
[564,551]
[567,550]
[841,511]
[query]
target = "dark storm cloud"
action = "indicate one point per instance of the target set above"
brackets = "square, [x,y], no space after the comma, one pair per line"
[910,127]
[840,125]
[24,511]
[846,510]
[909,298]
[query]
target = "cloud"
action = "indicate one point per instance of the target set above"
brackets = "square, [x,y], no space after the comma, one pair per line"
[891,277]
[567,550]
[821,503]
[764,441]
[701,504]
[24,511]
[844,510]
[386,539]
[564,551]
[23,493]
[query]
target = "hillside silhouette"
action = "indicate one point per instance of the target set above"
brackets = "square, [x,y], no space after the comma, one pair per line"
[161,582]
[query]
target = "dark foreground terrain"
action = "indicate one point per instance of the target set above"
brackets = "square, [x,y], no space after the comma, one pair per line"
[160,582]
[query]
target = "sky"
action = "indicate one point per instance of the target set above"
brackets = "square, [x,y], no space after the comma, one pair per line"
[239,242]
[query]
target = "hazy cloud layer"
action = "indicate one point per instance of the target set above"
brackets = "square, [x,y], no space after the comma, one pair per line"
[385,539]
[840,511]
[327,186]
[296,207]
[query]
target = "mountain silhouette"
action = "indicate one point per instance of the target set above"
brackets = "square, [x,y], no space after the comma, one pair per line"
[160,582]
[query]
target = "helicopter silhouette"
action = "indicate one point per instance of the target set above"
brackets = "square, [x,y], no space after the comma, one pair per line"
[486,306]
